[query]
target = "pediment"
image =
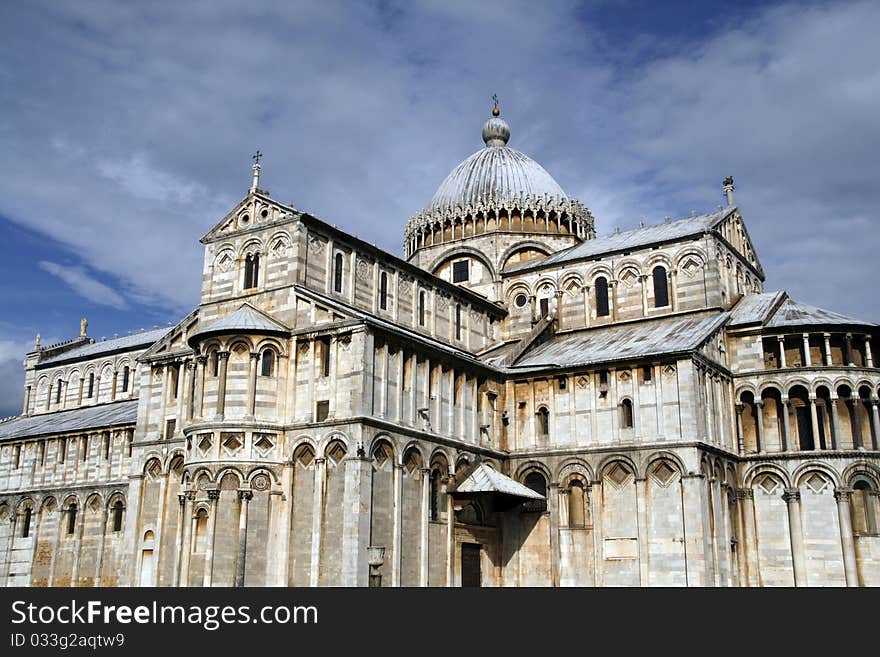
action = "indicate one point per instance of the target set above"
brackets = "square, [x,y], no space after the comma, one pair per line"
[735,223]
[175,340]
[256,210]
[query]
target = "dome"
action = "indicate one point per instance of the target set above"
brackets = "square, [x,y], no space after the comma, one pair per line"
[496,173]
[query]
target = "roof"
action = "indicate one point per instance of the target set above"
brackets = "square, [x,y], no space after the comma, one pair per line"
[80,419]
[125,343]
[485,479]
[632,239]
[755,308]
[495,172]
[246,319]
[795,313]
[624,342]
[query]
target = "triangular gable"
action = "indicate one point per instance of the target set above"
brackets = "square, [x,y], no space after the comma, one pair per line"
[250,205]
[734,219]
[175,340]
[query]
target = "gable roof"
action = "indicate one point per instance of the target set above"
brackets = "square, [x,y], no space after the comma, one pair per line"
[485,479]
[755,308]
[623,342]
[632,239]
[246,319]
[79,419]
[125,343]
[795,313]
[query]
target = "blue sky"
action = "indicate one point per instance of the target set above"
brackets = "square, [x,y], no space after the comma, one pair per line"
[127,130]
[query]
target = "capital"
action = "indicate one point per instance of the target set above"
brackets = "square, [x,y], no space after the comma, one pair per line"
[255,355]
[245,495]
[791,495]
[842,494]
[213,493]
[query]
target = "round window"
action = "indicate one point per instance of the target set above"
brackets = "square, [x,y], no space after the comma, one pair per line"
[264,213]
[521,300]
[244,218]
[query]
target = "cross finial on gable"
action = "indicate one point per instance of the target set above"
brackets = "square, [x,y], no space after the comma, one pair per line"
[255,183]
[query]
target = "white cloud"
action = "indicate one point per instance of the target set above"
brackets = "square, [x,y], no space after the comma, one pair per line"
[137,130]
[85,285]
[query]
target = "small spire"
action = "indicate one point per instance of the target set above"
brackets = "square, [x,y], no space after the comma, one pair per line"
[728,189]
[256,157]
[83,327]
[37,342]
[495,110]
[496,132]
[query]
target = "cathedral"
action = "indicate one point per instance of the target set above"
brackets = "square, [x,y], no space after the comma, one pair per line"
[515,402]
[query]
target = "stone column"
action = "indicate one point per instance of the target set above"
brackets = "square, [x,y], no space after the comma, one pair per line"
[101,539]
[77,543]
[792,498]
[786,434]
[283,570]
[553,507]
[450,541]
[827,341]
[252,384]
[698,550]
[244,497]
[869,358]
[356,519]
[214,497]
[875,424]
[223,357]
[814,420]
[190,390]
[849,350]
[835,421]
[782,363]
[612,293]
[199,390]
[739,428]
[643,281]
[673,289]
[847,544]
[587,310]
[13,524]
[397,535]
[559,308]
[808,361]
[759,423]
[749,545]
[424,562]
[641,485]
[113,386]
[179,542]
[317,518]
[189,541]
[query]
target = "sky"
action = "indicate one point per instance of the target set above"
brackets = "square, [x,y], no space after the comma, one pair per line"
[127,130]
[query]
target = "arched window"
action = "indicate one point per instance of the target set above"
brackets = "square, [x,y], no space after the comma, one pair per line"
[117,515]
[421,308]
[863,512]
[201,530]
[661,287]
[26,524]
[543,419]
[267,363]
[458,321]
[58,393]
[536,481]
[576,498]
[626,414]
[251,271]
[383,291]
[91,385]
[602,297]
[126,372]
[71,519]
[214,357]
[338,263]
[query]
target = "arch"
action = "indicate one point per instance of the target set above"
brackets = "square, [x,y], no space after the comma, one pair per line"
[519,287]
[542,417]
[771,386]
[229,478]
[268,358]
[458,253]
[573,467]
[627,413]
[258,485]
[304,454]
[673,459]
[803,472]
[378,440]
[270,343]
[234,341]
[609,461]
[862,470]
[413,461]
[757,470]
[625,264]
[49,503]
[297,442]
[520,246]
[170,464]
[525,467]
[277,236]
[569,278]
[746,388]
[542,282]
[253,246]
[536,479]
[659,258]
[796,381]
[152,467]
[441,459]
